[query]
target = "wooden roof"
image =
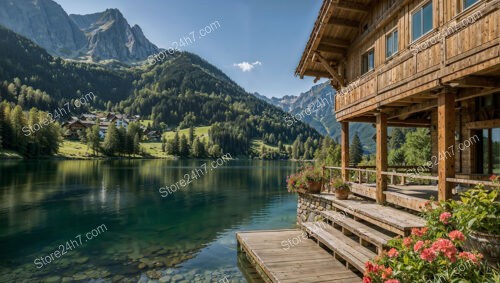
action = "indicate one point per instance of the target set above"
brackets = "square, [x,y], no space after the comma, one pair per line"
[338,23]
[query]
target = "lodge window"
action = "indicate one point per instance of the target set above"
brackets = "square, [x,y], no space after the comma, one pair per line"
[421,21]
[368,61]
[391,43]
[467,3]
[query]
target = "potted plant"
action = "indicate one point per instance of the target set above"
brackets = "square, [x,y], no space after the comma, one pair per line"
[478,216]
[341,188]
[313,176]
[296,183]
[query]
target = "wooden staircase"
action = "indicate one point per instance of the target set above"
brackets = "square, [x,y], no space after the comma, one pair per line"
[355,230]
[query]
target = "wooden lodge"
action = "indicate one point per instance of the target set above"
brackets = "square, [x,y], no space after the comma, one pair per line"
[432,63]
[393,63]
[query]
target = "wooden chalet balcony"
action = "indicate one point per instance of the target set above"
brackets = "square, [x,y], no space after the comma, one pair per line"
[448,55]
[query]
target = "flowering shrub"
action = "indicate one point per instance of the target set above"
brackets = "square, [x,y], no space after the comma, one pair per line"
[433,253]
[296,182]
[301,179]
[495,179]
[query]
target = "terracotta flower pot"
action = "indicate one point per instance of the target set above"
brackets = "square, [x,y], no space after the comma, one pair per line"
[487,244]
[314,187]
[341,193]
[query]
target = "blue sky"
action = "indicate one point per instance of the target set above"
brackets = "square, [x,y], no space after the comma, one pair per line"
[269,35]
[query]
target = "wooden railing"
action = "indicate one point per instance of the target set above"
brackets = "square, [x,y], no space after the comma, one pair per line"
[403,176]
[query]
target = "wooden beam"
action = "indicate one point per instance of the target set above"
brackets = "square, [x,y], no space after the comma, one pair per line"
[446,143]
[344,143]
[332,49]
[487,124]
[381,157]
[330,69]
[343,22]
[408,123]
[352,6]
[320,74]
[407,111]
[470,93]
[332,41]
[476,81]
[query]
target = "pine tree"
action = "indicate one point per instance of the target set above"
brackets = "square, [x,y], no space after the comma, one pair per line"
[397,139]
[94,139]
[192,135]
[281,148]
[1,125]
[17,123]
[355,151]
[137,145]
[198,148]
[112,140]
[176,144]
[184,146]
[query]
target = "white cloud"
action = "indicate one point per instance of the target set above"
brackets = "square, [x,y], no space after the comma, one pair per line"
[246,66]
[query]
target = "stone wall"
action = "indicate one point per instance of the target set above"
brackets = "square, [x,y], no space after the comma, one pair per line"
[308,206]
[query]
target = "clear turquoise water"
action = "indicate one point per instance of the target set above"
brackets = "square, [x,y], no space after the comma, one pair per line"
[188,235]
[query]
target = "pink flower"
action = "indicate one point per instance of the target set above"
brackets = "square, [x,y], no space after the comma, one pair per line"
[392,253]
[372,268]
[456,236]
[446,247]
[407,242]
[428,255]
[470,256]
[367,279]
[445,217]
[419,232]
[386,273]
[392,281]
[418,245]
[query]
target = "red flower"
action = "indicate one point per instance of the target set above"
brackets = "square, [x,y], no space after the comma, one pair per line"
[392,281]
[418,245]
[445,217]
[372,268]
[428,255]
[456,236]
[386,273]
[446,247]
[407,242]
[392,252]
[367,279]
[470,256]
[419,232]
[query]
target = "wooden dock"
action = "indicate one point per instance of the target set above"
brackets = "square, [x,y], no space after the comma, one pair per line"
[289,256]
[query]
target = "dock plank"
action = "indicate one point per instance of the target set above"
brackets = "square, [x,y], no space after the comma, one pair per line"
[302,260]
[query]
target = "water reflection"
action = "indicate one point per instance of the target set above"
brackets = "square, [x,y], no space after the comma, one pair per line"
[43,204]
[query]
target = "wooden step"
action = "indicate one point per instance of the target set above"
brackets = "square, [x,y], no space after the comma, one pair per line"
[342,246]
[364,232]
[388,218]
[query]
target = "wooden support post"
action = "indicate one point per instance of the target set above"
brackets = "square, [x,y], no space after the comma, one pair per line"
[446,143]
[344,141]
[359,177]
[381,156]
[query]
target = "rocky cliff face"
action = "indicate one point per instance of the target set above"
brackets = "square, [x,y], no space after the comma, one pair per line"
[45,23]
[100,36]
[111,37]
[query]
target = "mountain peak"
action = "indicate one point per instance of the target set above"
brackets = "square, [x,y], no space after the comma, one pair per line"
[100,36]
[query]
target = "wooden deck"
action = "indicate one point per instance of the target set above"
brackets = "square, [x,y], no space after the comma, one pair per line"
[289,256]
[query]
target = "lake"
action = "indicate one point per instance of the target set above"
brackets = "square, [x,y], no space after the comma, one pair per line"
[106,221]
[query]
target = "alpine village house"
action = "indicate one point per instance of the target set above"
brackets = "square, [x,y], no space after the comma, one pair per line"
[393,63]
[432,63]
